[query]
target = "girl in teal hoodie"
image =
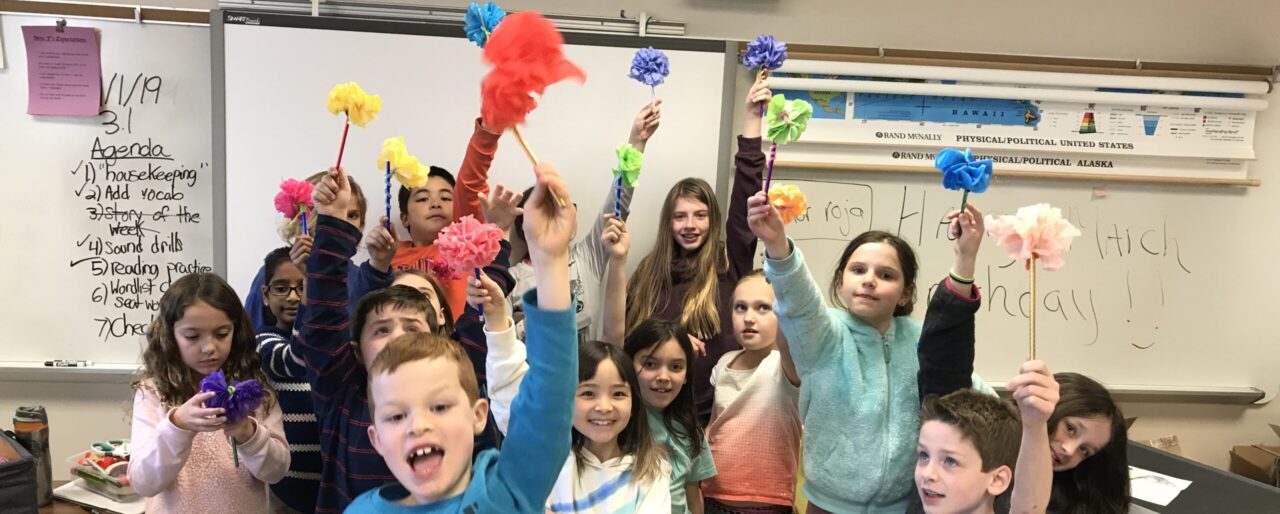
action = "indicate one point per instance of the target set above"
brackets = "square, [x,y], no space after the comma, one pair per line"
[857,362]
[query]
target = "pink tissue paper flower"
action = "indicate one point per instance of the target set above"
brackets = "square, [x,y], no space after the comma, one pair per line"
[292,194]
[468,244]
[1036,230]
[440,269]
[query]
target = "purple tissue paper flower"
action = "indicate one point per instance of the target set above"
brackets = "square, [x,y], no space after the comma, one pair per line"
[650,66]
[480,21]
[765,53]
[238,399]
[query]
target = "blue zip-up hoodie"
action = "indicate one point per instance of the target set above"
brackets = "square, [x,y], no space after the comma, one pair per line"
[858,396]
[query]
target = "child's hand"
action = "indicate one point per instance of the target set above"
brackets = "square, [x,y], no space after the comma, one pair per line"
[549,224]
[968,228]
[615,238]
[766,224]
[300,251]
[645,124]
[485,295]
[241,430]
[332,195]
[1036,392]
[758,96]
[501,208]
[699,347]
[381,244]
[193,416]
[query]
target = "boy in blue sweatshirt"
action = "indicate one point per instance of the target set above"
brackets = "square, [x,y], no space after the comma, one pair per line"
[427,407]
[335,367]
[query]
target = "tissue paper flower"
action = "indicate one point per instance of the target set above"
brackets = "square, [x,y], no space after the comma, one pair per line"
[629,162]
[411,173]
[440,269]
[765,53]
[239,399]
[650,66]
[960,171]
[789,201]
[526,57]
[468,244]
[787,119]
[293,195]
[1036,230]
[360,107]
[481,20]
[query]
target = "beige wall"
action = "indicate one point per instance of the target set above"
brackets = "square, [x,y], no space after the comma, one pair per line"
[1198,31]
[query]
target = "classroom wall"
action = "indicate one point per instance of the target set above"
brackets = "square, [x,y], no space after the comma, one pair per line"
[1237,32]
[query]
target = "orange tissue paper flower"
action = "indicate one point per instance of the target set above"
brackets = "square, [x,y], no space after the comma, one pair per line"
[349,98]
[1035,230]
[525,51]
[789,201]
[468,244]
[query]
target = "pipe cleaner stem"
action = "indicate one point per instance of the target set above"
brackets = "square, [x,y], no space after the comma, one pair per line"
[235,451]
[346,127]
[304,221]
[534,160]
[768,170]
[1032,267]
[964,200]
[617,198]
[653,97]
[480,310]
[388,191]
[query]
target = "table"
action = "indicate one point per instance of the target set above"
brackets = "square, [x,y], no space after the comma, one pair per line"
[1212,490]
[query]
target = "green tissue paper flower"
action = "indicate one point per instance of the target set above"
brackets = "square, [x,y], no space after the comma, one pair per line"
[787,119]
[629,162]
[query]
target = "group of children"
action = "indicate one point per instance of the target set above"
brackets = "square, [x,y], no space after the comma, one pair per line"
[395,386]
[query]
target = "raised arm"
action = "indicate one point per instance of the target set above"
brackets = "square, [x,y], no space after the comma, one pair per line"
[946,349]
[748,167]
[279,361]
[618,242]
[473,174]
[325,332]
[537,441]
[812,334]
[1036,393]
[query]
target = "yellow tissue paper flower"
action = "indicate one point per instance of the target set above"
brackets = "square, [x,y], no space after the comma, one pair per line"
[789,201]
[360,107]
[413,174]
[409,171]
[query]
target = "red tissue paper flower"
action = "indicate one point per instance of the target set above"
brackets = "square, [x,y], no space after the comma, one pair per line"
[293,193]
[526,57]
[468,244]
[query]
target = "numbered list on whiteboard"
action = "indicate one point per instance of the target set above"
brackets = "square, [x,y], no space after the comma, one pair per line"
[143,181]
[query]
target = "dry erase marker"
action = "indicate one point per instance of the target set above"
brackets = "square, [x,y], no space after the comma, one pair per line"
[68,364]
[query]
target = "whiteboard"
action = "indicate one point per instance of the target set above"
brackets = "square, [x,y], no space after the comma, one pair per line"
[73,290]
[277,80]
[1167,286]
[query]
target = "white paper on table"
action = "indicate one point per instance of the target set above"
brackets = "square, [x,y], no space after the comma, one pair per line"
[1152,487]
[74,492]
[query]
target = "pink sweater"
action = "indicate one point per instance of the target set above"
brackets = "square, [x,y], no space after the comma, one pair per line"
[193,472]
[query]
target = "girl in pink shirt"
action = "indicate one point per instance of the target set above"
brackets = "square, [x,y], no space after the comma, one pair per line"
[755,425]
[181,451]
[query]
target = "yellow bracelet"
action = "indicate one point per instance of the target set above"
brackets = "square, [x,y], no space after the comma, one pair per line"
[960,278]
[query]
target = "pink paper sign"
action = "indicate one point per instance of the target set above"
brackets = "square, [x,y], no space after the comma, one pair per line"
[64,71]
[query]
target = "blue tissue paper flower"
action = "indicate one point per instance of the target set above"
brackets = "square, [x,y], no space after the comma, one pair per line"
[960,171]
[481,20]
[765,52]
[650,66]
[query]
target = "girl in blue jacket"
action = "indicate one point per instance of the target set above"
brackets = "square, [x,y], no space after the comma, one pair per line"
[857,361]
